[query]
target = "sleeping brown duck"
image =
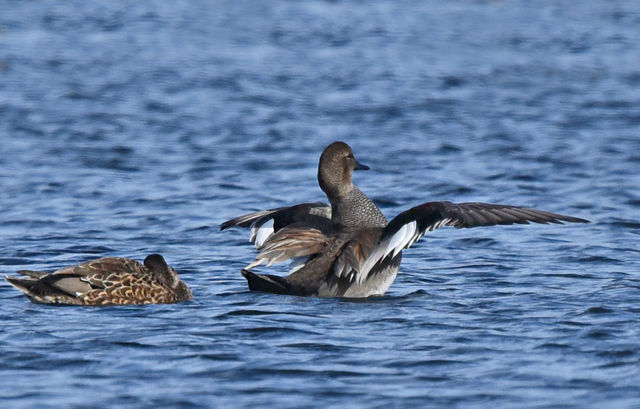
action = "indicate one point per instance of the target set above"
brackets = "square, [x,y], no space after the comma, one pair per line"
[105,281]
[348,249]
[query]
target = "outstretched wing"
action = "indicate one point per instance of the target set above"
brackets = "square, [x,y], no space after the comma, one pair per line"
[266,222]
[409,226]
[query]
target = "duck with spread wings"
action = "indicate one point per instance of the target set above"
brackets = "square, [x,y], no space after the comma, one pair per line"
[347,248]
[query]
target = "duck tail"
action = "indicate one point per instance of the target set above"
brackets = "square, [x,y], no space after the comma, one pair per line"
[267,283]
[31,286]
[26,285]
[39,291]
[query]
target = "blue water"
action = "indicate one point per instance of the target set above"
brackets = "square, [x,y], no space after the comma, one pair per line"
[131,127]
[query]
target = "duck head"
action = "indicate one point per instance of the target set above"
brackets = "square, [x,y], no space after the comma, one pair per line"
[335,169]
[164,272]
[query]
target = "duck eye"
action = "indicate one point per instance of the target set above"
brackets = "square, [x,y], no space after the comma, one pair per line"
[350,155]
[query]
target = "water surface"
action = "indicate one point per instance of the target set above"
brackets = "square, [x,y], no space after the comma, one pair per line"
[127,129]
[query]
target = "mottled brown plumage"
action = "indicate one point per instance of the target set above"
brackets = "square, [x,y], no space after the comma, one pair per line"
[106,281]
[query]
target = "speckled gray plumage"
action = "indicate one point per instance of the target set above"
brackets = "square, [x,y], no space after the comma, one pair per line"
[355,210]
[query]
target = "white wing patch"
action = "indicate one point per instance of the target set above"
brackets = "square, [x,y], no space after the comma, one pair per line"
[260,233]
[403,238]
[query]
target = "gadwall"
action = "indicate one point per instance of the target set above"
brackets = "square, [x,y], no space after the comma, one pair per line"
[348,249]
[105,281]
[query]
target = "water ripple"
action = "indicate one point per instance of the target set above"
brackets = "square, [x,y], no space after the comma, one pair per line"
[129,129]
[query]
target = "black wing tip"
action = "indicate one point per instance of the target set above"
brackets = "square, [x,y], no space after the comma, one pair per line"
[554,218]
[562,219]
[237,222]
[578,220]
[558,219]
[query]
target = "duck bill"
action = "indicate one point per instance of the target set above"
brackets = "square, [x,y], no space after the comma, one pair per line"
[361,166]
